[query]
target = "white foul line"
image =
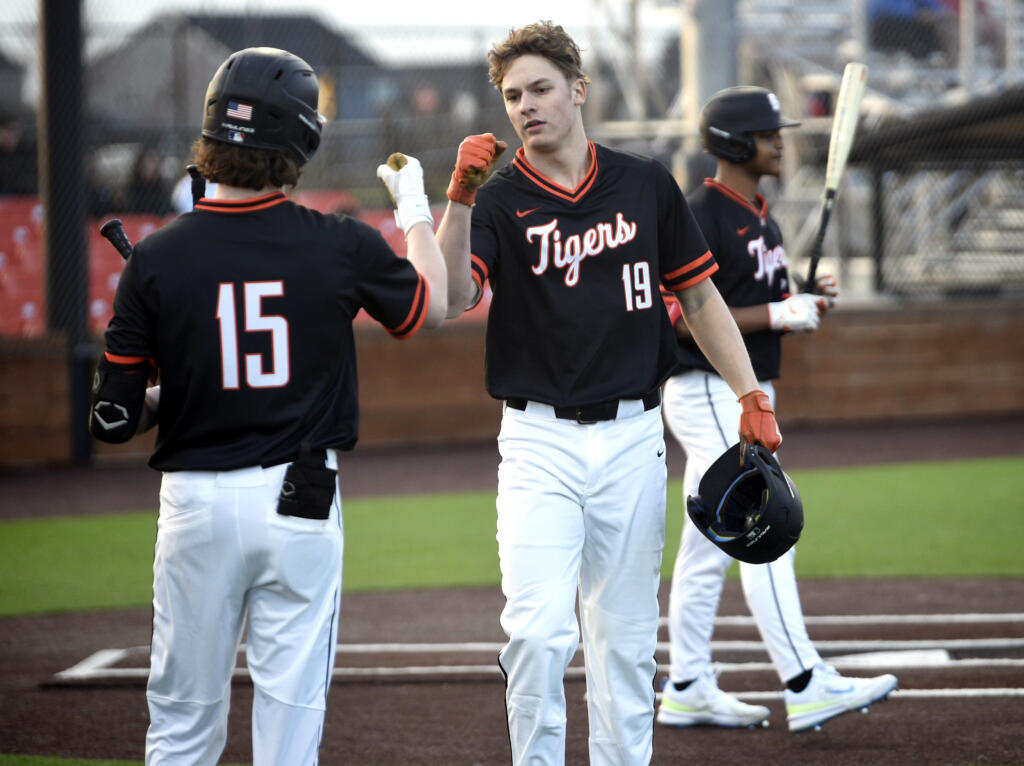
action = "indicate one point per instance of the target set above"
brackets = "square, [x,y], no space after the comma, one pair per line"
[876,645]
[906,694]
[95,665]
[970,618]
[891,654]
[731,646]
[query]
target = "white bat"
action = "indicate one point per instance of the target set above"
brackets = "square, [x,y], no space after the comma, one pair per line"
[844,126]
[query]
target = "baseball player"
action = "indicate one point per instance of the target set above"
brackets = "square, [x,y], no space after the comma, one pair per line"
[574,239]
[741,127]
[245,307]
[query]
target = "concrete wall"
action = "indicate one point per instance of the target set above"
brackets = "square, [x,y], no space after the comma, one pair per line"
[867,364]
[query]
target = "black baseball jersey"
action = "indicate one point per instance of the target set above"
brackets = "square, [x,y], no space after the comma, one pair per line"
[748,248]
[576,316]
[246,307]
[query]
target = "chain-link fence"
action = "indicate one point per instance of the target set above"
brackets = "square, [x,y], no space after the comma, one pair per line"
[101,100]
[950,225]
[937,145]
[954,233]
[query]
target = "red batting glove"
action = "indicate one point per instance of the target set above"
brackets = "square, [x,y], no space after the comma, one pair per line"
[757,422]
[473,164]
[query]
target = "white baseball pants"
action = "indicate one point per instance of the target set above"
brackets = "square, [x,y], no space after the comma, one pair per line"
[227,561]
[581,508]
[703,415]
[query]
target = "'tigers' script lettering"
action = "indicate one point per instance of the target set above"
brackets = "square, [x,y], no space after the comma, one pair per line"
[768,261]
[568,252]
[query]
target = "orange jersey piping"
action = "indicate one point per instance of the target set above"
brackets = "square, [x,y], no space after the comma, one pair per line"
[241,205]
[572,195]
[739,198]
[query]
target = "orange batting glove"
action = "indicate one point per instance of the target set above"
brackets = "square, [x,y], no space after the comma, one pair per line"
[475,161]
[757,422]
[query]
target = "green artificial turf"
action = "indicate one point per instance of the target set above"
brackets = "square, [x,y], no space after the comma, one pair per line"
[935,519]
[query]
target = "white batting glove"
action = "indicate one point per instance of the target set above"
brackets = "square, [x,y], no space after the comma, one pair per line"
[149,410]
[800,312]
[403,177]
[828,287]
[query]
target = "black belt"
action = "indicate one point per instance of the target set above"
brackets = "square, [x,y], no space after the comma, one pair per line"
[592,413]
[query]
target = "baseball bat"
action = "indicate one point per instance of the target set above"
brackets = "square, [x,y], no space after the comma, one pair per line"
[114,232]
[198,183]
[844,126]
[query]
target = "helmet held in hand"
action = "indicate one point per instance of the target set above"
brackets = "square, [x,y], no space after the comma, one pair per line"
[752,512]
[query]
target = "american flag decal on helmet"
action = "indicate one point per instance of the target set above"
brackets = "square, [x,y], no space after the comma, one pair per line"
[239,110]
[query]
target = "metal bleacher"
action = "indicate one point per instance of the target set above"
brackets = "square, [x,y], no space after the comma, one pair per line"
[953,230]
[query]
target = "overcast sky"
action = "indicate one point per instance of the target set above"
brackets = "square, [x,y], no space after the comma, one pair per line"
[453,29]
[382,12]
[574,14]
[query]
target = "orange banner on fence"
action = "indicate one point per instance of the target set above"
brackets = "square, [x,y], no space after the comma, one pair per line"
[23,271]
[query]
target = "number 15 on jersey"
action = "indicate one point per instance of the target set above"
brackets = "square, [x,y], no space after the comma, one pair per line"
[257,374]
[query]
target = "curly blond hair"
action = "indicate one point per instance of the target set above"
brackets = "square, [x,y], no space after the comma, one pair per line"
[542,38]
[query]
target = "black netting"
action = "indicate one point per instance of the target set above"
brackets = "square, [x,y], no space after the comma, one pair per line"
[931,206]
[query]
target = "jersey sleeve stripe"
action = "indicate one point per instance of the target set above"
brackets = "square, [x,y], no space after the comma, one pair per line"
[417,313]
[690,274]
[119,359]
[683,272]
[479,270]
[677,286]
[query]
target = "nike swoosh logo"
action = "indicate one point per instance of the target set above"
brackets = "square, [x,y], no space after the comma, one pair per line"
[743,231]
[524,213]
[661,452]
[846,690]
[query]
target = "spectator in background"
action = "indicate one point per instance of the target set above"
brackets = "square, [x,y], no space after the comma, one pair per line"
[417,121]
[913,26]
[465,110]
[147,191]
[425,100]
[18,162]
[988,32]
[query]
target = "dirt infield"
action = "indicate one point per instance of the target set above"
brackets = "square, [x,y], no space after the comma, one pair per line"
[961,669]
[441,717]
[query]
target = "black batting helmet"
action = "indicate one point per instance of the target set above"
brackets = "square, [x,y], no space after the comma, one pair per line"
[752,512]
[731,115]
[265,98]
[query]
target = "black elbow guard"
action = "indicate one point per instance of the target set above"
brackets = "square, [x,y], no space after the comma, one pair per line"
[118,396]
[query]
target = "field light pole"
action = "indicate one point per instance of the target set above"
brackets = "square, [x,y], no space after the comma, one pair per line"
[62,189]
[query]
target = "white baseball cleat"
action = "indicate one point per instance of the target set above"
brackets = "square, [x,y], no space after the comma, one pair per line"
[829,694]
[702,703]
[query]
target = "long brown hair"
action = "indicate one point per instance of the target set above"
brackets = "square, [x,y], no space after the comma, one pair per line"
[224,163]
